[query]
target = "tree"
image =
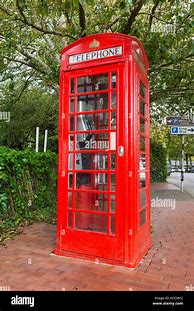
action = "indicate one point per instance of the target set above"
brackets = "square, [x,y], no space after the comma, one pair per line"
[32,32]
[32,108]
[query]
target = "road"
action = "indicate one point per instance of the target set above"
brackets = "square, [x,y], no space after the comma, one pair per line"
[174,179]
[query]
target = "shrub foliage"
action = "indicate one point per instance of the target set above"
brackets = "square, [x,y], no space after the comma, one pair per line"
[158,162]
[27,187]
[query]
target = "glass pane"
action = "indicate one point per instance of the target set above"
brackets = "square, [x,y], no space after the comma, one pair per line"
[142,198]
[91,201]
[113,100]
[113,120]
[101,161]
[102,181]
[112,140]
[69,203]
[91,222]
[95,121]
[113,161]
[112,225]
[142,217]
[139,61]
[113,182]
[71,123]
[69,219]
[142,143]
[142,107]
[101,201]
[72,86]
[142,179]
[113,203]
[70,180]
[83,161]
[92,141]
[71,139]
[72,104]
[92,181]
[91,161]
[142,89]
[92,83]
[70,161]
[142,162]
[92,102]
[114,80]
[142,125]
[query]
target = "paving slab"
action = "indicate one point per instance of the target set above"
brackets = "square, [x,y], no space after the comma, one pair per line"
[26,263]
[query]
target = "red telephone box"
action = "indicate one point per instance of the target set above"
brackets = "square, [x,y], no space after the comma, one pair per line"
[103,178]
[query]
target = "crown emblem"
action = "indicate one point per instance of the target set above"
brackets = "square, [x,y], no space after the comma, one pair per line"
[94,44]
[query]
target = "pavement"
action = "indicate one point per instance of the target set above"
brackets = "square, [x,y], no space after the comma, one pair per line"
[26,263]
[188,183]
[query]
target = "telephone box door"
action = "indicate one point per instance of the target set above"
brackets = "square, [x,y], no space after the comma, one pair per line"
[143,159]
[93,185]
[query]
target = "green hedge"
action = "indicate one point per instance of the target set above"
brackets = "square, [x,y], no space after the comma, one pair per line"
[27,187]
[158,164]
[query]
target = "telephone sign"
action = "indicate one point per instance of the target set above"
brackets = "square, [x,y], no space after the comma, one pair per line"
[95,55]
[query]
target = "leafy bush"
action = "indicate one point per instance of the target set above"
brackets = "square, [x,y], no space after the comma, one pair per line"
[158,165]
[27,187]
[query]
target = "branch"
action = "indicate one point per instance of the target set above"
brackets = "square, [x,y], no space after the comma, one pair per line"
[16,60]
[176,88]
[4,79]
[154,16]
[67,17]
[82,20]
[45,31]
[6,11]
[33,58]
[113,23]
[50,84]
[178,69]
[38,28]
[153,12]
[170,92]
[21,12]
[188,16]
[131,19]
[170,63]
[27,82]
[159,96]
[2,37]
[51,46]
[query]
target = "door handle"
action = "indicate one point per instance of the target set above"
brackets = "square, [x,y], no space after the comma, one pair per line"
[120,151]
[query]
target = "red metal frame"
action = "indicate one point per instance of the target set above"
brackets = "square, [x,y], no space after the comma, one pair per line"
[131,239]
